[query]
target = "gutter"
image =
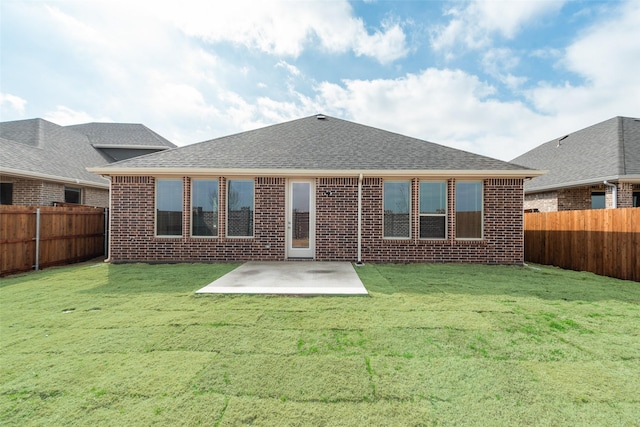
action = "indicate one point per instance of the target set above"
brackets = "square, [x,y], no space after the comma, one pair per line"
[614,193]
[359,262]
[108,259]
[52,178]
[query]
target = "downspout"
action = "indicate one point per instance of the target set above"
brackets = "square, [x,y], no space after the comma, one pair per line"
[108,230]
[359,263]
[614,193]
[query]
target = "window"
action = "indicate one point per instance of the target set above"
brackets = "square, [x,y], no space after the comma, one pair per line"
[469,210]
[6,193]
[433,210]
[72,195]
[397,206]
[169,207]
[204,207]
[598,200]
[240,208]
[636,199]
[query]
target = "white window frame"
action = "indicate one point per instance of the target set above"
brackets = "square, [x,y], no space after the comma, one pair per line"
[445,214]
[155,212]
[193,181]
[481,209]
[253,212]
[410,182]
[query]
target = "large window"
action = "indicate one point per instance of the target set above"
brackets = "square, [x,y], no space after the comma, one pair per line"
[433,210]
[469,210]
[169,207]
[397,205]
[598,200]
[240,208]
[6,193]
[204,207]
[72,195]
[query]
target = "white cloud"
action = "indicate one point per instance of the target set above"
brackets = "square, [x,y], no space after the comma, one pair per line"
[448,107]
[292,69]
[65,116]
[12,103]
[474,24]
[286,28]
[499,63]
[607,57]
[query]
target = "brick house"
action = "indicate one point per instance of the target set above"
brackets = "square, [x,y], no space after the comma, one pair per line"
[593,168]
[316,188]
[42,163]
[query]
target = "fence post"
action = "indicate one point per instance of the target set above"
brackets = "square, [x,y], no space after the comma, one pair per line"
[106,232]
[37,239]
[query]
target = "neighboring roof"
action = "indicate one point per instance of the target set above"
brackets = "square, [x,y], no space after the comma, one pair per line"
[122,135]
[37,148]
[41,149]
[312,145]
[609,150]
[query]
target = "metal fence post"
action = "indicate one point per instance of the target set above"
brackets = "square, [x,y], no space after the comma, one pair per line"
[37,239]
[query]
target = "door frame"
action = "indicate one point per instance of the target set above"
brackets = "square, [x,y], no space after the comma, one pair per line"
[291,252]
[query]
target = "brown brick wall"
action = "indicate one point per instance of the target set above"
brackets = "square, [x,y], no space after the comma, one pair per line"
[543,202]
[33,192]
[579,198]
[133,232]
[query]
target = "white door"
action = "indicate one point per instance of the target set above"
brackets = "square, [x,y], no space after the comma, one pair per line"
[301,219]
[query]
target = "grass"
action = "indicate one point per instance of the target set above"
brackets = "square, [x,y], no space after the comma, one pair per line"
[100,344]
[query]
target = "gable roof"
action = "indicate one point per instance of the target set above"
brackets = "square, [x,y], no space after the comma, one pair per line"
[609,150]
[314,145]
[122,135]
[36,148]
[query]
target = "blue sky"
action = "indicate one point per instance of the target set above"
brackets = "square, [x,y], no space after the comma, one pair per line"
[492,77]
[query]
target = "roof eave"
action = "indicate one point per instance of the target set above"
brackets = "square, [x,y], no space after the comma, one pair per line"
[132,146]
[53,178]
[194,172]
[633,179]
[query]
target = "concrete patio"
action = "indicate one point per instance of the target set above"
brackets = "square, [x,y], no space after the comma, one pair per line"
[289,278]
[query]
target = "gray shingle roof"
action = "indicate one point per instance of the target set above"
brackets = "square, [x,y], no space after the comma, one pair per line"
[317,144]
[39,147]
[121,134]
[607,150]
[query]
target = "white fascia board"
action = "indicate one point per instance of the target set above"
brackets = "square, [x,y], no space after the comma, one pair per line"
[584,183]
[53,178]
[194,172]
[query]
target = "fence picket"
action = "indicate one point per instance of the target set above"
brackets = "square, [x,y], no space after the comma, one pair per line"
[602,241]
[67,234]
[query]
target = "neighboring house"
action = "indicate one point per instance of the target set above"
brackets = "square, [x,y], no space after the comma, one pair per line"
[593,168]
[316,188]
[42,163]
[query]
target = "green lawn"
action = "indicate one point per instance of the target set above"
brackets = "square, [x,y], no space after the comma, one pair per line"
[100,344]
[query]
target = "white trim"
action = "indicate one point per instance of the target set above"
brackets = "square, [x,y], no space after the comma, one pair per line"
[410,208]
[155,211]
[253,211]
[445,214]
[217,236]
[455,210]
[292,252]
[299,173]
[53,178]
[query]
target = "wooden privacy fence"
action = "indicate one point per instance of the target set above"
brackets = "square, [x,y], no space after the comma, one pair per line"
[39,237]
[602,241]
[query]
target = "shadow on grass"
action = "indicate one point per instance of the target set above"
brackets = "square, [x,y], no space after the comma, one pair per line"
[528,281]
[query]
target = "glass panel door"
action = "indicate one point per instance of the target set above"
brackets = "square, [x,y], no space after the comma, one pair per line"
[300,224]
